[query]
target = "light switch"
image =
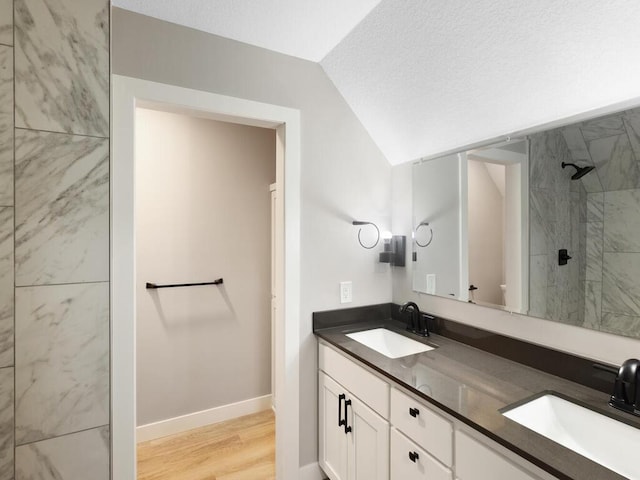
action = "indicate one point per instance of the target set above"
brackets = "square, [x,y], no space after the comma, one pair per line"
[346,292]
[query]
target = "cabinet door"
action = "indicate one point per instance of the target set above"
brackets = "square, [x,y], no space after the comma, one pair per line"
[368,443]
[332,438]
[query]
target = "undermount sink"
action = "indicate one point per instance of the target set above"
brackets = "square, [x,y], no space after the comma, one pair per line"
[604,440]
[388,343]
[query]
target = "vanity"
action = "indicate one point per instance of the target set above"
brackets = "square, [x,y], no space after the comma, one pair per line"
[438,414]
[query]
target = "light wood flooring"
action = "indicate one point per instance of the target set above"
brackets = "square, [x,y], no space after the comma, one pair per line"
[238,449]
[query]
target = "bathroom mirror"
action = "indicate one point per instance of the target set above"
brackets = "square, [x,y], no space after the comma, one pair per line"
[547,225]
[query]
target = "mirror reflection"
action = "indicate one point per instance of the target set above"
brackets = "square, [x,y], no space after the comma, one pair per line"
[547,225]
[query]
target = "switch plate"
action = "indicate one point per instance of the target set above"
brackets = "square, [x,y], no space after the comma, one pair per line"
[346,292]
[431,283]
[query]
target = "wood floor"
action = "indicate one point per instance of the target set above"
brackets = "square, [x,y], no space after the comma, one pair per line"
[239,449]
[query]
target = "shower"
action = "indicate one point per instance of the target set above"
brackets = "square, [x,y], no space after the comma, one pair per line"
[580,171]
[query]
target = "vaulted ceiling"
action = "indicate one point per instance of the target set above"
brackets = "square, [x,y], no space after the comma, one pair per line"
[427,76]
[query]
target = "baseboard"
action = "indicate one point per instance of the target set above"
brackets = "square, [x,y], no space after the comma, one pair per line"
[311,471]
[182,423]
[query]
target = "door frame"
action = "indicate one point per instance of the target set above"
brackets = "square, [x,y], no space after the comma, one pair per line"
[127,95]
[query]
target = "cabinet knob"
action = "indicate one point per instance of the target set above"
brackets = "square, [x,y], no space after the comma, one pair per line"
[413,456]
[414,412]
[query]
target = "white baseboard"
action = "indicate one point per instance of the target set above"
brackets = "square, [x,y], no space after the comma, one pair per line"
[311,471]
[182,423]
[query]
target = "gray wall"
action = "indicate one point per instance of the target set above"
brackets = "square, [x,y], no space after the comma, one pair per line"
[344,175]
[57,217]
[203,210]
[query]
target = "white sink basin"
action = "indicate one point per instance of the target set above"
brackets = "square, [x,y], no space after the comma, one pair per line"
[602,439]
[388,343]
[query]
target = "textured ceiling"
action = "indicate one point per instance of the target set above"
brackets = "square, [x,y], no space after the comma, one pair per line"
[429,76]
[307,29]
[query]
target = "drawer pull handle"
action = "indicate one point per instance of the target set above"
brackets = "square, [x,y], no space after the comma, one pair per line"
[413,456]
[347,428]
[341,422]
[414,412]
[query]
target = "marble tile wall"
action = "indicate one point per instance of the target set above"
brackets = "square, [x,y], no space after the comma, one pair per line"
[555,205]
[54,345]
[6,243]
[83,455]
[609,223]
[6,22]
[62,360]
[67,43]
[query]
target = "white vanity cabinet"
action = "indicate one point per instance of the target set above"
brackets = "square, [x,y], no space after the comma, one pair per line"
[390,434]
[353,425]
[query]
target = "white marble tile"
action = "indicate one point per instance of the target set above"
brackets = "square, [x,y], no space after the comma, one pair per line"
[574,220]
[542,218]
[594,251]
[6,22]
[6,286]
[80,456]
[6,125]
[592,304]
[576,144]
[632,125]
[538,286]
[62,359]
[66,43]
[620,286]
[595,207]
[602,127]
[540,175]
[622,221]
[6,423]
[616,165]
[627,325]
[62,208]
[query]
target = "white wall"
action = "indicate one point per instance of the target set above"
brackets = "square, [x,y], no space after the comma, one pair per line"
[344,175]
[436,193]
[203,212]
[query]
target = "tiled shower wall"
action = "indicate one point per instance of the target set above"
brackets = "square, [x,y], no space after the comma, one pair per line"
[597,218]
[54,239]
[555,205]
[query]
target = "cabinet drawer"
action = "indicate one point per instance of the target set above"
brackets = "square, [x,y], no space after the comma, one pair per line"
[425,467]
[363,384]
[428,429]
[475,461]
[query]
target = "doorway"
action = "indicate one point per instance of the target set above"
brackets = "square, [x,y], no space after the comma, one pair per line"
[203,274]
[129,94]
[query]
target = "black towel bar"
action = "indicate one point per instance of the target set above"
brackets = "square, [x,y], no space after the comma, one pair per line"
[215,282]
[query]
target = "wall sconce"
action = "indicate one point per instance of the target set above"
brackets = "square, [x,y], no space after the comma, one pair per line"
[395,248]
[357,222]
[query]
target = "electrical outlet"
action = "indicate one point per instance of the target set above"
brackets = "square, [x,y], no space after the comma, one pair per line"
[431,283]
[346,292]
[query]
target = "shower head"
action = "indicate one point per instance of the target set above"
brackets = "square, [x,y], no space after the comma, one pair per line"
[580,171]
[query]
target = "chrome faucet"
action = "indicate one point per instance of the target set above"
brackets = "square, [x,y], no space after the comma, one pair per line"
[626,389]
[417,322]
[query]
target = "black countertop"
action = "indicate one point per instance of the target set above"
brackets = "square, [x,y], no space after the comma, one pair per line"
[473,385]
